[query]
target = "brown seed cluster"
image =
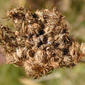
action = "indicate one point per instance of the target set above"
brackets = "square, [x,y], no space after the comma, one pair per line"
[40,43]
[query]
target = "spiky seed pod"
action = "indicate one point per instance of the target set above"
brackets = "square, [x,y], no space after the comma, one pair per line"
[40,43]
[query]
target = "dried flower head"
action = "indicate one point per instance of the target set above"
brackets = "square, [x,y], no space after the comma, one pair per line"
[40,43]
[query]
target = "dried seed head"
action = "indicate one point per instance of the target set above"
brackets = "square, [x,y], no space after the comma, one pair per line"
[40,43]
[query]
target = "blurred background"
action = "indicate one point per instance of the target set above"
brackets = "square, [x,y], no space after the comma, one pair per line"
[74,12]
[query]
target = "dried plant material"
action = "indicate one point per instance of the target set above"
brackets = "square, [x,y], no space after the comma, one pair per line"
[82,48]
[2,56]
[40,43]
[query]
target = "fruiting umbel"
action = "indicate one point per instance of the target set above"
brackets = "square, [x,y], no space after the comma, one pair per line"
[40,43]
